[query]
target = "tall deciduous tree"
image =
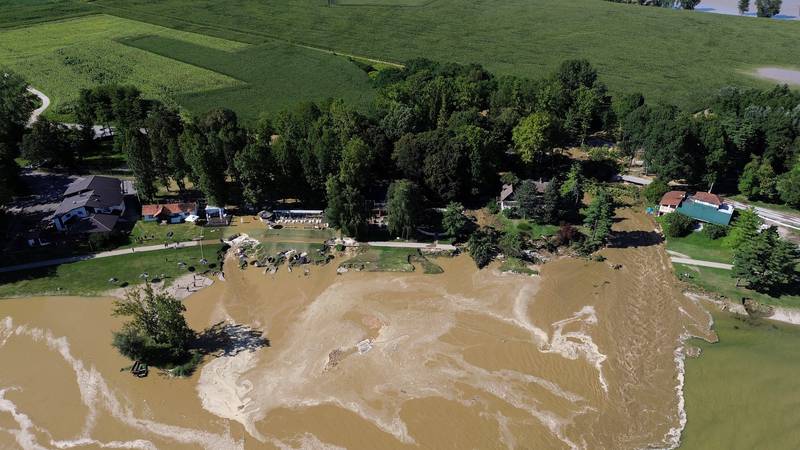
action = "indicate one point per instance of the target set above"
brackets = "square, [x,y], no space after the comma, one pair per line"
[164,127]
[48,144]
[402,207]
[768,8]
[789,186]
[256,167]
[533,137]
[453,220]
[134,144]
[744,6]
[156,331]
[347,208]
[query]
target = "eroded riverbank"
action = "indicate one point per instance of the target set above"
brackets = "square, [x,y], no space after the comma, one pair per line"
[585,356]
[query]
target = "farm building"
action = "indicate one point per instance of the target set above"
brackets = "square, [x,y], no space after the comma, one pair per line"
[707,207]
[90,205]
[701,206]
[168,212]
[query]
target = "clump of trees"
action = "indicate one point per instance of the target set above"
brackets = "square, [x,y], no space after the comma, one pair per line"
[677,224]
[744,139]
[156,332]
[766,262]
[768,8]
[16,106]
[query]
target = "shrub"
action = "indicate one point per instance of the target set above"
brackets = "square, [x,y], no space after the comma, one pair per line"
[566,234]
[493,207]
[655,190]
[482,248]
[677,224]
[714,231]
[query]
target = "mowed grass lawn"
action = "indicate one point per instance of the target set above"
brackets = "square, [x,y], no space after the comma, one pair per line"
[197,71]
[151,233]
[90,277]
[698,246]
[669,55]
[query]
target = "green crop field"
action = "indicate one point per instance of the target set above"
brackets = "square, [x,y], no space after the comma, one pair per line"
[191,69]
[263,55]
[669,55]
[18,13]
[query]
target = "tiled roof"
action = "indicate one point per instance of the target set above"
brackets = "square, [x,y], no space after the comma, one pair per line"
[168,208]
[707,197]
[672,198]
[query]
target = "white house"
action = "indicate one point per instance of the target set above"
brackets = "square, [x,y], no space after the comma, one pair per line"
[90,204]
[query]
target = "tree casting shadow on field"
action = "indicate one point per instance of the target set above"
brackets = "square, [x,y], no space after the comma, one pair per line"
[637,238]
[228,339]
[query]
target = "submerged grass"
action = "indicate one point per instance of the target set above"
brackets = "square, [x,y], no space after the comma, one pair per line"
[741,393]
[390,259]
[515,265]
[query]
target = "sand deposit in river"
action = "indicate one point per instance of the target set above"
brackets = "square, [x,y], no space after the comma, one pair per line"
[585,356]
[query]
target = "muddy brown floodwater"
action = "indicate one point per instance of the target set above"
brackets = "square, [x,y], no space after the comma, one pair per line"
[585,356]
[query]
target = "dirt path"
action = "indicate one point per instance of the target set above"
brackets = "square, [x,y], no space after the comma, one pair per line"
[38,111]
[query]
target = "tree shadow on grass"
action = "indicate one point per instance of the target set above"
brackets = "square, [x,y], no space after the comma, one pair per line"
[228,339]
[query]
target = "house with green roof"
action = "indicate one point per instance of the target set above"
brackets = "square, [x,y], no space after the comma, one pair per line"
[706,207]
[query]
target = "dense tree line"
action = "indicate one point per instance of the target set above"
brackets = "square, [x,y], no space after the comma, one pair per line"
[745,140]
[16,105]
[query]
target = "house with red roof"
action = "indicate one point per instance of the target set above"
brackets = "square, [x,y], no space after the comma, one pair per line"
[701,206]
[670,202]
[168,212]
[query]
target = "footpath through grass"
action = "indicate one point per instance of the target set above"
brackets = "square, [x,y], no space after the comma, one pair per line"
[741,393]
[91,277]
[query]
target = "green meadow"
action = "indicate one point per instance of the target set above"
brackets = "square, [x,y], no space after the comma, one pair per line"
[262,56]
[669,55]
[193,70]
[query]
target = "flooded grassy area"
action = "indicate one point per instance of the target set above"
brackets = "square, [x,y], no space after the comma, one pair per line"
[743,392]
[91,277]
[720,281]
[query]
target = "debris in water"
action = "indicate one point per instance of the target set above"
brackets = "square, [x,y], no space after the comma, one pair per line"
[364,346]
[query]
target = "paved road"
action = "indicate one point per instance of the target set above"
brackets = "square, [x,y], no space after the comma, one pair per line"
[72,259]
[771,216]
[420,245]
[697,262]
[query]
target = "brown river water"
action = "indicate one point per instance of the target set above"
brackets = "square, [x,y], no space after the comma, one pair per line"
[584,356]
